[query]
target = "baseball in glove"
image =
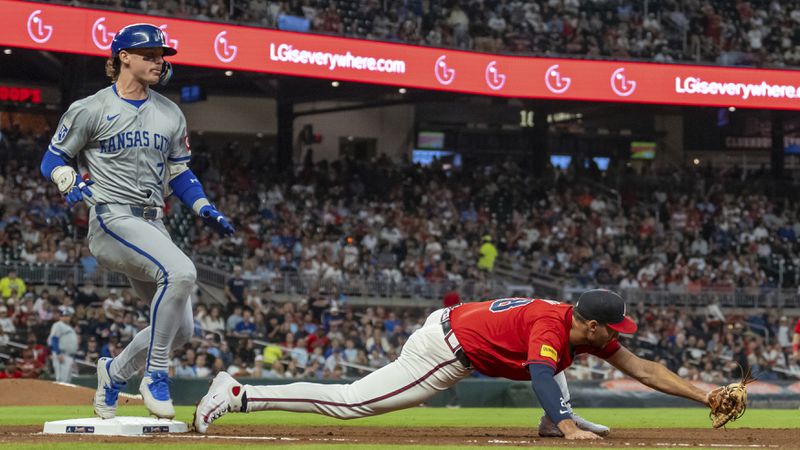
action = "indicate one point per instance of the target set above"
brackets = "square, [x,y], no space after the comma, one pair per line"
[728,403]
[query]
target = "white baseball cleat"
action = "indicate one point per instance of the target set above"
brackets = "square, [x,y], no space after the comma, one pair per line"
[549,429]
[155,393]
[224,395]
[105,398]
[585,425]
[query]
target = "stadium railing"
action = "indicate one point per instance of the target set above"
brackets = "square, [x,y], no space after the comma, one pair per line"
[730,298]
[280,283]
[359,286]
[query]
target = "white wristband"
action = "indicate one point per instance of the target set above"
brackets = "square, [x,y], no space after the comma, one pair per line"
[199,203]
[64,178]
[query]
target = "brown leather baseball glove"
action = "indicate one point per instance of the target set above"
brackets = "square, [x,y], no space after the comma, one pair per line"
[728,403]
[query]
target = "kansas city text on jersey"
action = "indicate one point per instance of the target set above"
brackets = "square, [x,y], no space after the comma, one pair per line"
[138,138]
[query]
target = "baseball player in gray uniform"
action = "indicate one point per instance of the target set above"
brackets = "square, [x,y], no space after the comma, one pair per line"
[132,144]
[63,345]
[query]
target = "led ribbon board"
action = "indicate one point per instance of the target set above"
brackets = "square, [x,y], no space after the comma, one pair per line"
[216,45]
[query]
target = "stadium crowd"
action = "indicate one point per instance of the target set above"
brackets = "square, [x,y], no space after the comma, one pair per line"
[320,338]
[697,228]
[337,223]
[760,33]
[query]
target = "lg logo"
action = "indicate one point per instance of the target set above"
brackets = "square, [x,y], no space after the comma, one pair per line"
[494,79]
[101,37]
[556,83]
[444,75]
[170,42]
[620,83]
[225,51]
[37,30]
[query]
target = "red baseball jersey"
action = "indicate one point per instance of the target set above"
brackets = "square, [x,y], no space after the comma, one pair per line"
[501,337]
[796,327]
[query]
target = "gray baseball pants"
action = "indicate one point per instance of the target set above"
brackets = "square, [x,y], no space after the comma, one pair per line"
[157,269]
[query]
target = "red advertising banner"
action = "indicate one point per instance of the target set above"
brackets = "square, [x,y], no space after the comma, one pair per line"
[87,31]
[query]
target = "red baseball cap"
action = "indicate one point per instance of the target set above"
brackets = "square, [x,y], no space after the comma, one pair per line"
[606,307]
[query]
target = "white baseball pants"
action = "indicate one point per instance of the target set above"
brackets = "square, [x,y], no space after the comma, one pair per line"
[425,366]
[63,370]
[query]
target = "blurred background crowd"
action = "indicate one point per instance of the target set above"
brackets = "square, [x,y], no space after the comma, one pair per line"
[322,338]
[677,229]
[689,229]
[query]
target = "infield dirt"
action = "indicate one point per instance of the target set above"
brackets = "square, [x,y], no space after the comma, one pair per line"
[36,392]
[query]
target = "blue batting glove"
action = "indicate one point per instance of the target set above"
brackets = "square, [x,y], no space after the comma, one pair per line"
[79,191]
[216,220]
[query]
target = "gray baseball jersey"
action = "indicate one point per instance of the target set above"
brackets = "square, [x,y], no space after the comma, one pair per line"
[124,148]
[67,338]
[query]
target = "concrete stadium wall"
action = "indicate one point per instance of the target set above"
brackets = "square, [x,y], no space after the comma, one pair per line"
[231,114]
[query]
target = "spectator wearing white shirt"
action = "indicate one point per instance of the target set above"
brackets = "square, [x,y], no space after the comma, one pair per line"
[628,282]
[113,306]
[201,369]
[350,255]
[6,323]
[62,254]
[213,321]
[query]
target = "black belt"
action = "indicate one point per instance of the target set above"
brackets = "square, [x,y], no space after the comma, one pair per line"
[145,212]
[459,352]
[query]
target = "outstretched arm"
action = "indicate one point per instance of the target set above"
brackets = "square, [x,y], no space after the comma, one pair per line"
[655,376]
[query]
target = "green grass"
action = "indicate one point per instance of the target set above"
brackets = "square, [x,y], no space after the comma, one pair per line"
[439,417]
[417,417]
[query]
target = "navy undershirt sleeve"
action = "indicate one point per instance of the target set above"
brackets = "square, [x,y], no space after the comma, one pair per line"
[548,392]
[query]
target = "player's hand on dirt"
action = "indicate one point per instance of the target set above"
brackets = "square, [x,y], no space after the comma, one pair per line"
[216,220]
[572,432]
[579,434]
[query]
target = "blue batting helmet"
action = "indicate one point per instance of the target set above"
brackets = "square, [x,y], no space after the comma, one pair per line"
[140,35]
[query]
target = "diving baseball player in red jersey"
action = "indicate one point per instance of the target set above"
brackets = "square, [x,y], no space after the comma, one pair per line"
[516,338]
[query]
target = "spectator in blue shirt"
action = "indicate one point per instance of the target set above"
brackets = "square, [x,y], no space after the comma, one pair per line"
[88,262]
[247,327]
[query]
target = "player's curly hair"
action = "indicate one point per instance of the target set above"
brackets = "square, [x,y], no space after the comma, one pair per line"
[113,67]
